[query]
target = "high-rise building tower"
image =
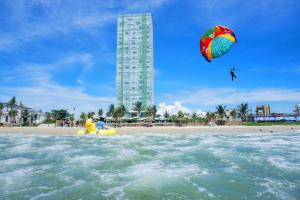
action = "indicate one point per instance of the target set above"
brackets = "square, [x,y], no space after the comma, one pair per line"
[135,60]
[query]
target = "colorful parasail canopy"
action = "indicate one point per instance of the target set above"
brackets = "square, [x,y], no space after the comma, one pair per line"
[216,41]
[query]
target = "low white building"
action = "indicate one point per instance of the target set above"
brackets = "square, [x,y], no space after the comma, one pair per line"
[34,117]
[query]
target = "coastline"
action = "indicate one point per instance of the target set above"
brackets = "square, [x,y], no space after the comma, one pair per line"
[145,130]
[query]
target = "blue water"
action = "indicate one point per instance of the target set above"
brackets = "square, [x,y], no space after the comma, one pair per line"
[160,166]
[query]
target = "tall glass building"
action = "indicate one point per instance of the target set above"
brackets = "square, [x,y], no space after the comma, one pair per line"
[135,60]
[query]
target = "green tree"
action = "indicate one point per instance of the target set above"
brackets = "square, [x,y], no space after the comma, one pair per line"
[148,113]
[221,111]
[138,106]
[167,115]
[119,112]
[111,110]
[194,118]
[12,103]
[90,114]
[180,117]
[12,113]
[123,110]
[100,112]
[233,113]
[154,111]
[49,118]
[35,117]
[83,118]
[1,110]
[243,108]
[25,116]
[173,118]
[211,116]
[60,114]
[72,118]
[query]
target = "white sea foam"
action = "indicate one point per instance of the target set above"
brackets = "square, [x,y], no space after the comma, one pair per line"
[84,160]
[275,188]
[15,161]
[15,179]
[56,147]
[282,163]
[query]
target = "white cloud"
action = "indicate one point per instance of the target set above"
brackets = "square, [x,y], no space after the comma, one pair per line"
[172,109]
[54,96]
[33,84]
[37,73]
[63,17]
[201,113]
[215,96]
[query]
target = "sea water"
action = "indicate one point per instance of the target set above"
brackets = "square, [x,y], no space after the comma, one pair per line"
[151,166]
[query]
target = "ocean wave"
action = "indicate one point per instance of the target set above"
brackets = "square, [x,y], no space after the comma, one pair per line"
[157,166]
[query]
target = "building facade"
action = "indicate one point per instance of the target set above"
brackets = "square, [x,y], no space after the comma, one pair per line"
[263,110]
[134,80]
[34,117]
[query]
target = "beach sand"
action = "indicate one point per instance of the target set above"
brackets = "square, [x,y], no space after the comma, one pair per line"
[169,129]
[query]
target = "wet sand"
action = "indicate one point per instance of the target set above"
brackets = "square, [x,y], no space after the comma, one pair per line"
[169,130]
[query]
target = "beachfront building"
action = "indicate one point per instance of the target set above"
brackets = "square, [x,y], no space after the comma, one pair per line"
[263,110]
[34,117]
[134,80]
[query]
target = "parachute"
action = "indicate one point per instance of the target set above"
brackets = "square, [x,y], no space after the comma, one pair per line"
[216,42]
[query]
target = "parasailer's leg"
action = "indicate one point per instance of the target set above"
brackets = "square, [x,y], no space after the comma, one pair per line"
[233,76]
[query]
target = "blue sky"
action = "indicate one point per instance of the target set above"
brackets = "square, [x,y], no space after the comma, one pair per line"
[62,54]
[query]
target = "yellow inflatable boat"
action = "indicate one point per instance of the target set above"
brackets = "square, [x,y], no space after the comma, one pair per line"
[90,128]
[99,132]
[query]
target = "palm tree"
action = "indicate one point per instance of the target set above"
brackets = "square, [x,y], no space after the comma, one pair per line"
[149,113]
[12,103]
[138,106]
[25,116]
[83,117]
[1,110]
[221,111]
[90,114]
[180,116]
[48,117]
[12,113]
[154,111]
[100,112]
[167,115]
[123,110]
[119,112]
[111,110]
[194,118]
[233,113]
[116,114]
[60,114]
[243,107]
[35,117]
[211,116]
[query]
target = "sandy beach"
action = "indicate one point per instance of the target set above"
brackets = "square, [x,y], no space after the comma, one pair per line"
[170,130]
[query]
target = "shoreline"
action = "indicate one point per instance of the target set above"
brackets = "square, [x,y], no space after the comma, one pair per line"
[153,130]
